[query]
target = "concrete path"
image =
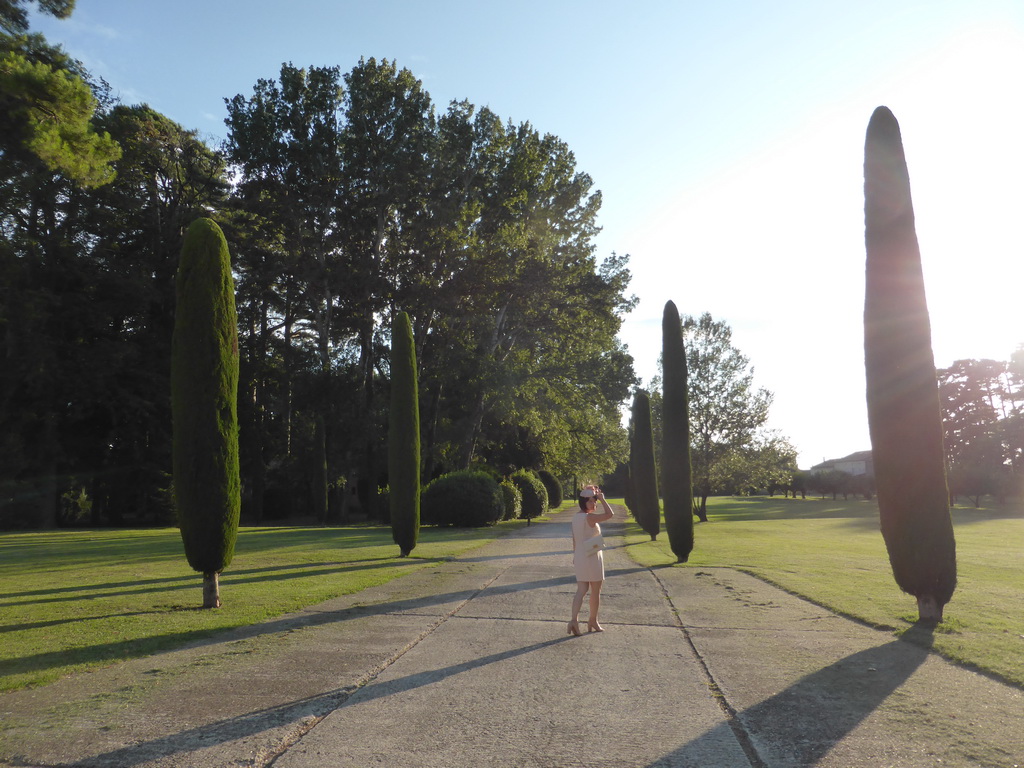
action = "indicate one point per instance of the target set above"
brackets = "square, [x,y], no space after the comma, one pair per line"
[468,664]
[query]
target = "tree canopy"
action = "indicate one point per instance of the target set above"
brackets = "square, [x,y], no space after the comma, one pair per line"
[346,197]
[47,102]
[727,412]
[982,405]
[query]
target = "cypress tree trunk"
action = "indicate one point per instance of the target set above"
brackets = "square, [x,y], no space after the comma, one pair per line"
[404,438]
[902,394]
[204,391]
[676,473]
[642,468]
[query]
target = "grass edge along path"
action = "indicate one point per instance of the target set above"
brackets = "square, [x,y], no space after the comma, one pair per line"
[832,554]
[72,600]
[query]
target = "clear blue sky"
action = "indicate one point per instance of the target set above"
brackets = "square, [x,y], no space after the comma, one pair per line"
[726,138]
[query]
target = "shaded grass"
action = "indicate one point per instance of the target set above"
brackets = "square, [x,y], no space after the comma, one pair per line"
[70,600]
[832,553]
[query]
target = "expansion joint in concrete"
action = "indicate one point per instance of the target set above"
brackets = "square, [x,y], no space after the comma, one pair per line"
[312,722]
[744,739]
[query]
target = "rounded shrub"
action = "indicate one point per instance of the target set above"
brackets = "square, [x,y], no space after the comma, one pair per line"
[535,496]
[552,486]
[513,500]
[465,499]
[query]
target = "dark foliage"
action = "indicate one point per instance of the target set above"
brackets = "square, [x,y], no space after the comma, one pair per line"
[642,470]
[464,499]
[204,387]
[552,486]
[404,438]
[535,496]
[676,474]
[902,394]
[513,500]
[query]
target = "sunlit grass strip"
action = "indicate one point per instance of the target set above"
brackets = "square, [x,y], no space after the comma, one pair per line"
[70,600]
[832,553]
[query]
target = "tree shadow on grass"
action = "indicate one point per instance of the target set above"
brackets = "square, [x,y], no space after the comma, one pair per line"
[801,724]
[312,616]
[188,581]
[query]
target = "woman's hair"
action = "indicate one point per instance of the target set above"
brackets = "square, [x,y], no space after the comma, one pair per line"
[584,500]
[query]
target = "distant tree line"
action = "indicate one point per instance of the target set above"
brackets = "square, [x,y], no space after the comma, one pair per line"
[346,199]
[982,405]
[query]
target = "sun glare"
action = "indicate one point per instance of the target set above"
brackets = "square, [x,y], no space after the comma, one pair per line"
[774,243]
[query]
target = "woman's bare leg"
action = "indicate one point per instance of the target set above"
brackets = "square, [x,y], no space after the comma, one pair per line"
[577,599]
[595,606]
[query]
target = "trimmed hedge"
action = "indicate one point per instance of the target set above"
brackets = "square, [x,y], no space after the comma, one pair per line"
[513,500]
[465,499]
[552,486]
[535,495]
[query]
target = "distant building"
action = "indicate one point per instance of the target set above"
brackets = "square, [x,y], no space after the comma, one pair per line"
[858,463]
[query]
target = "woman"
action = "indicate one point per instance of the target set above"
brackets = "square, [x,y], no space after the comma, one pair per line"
[589,566]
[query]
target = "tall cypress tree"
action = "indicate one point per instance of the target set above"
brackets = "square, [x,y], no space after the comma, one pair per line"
[902,395]
[676,474]
[204,389]
[642,468]
[319,480]
[404,437]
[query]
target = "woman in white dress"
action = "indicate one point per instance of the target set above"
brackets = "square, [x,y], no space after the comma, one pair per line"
[588,561]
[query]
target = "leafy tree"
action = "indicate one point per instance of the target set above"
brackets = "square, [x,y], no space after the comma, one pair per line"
[526,294]
[14,13]
[796,481]
[285,144]
[902,396]
[47,105]
[345,206]
[726,412]
[1012,426]
[832,481]
[87,304]
[404,438]
[166,178]
[767,461]
[204,378]
[642,470]
[676,477]
[386,151]
[971,396]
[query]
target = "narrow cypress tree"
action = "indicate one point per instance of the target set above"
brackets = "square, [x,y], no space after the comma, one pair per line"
[676,474]
[643,471]
[902,396]
[628,494]
[319,479]
[404,437]
[204,391]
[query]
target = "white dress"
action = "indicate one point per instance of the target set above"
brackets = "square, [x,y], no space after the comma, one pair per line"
[587,567]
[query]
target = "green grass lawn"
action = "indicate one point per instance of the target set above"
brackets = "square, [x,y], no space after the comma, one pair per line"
[832,553]
[72,599]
